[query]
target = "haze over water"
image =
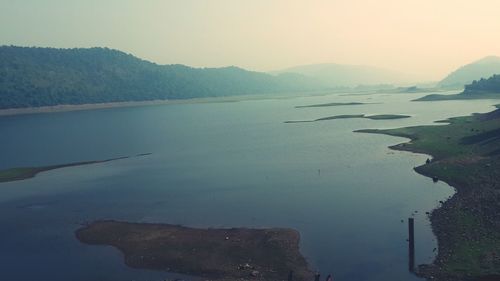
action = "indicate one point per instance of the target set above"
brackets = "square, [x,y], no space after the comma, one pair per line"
[221,165]
[425,38]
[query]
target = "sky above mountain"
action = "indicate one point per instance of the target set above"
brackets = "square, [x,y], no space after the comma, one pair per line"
[428,38]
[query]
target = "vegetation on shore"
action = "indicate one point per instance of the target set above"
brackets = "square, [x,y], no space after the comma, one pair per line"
[351,116]
[466,154]
[480,89]
[216,254]
[22,173]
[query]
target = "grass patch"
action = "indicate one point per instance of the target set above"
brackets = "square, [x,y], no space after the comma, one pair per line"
[468,225]
[15,174]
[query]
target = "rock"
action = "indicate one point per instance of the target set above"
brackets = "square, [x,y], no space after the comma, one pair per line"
[245,266]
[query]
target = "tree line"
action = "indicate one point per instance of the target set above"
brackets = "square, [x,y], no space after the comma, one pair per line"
[32,77]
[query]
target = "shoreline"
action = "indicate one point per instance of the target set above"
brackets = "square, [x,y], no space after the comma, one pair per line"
[465,156]
[94,106]
[108,105]
[74,107]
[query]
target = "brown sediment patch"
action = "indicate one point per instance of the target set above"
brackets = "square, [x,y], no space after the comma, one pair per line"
[220,254]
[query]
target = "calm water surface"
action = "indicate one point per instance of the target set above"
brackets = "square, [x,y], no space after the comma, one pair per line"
[221,165]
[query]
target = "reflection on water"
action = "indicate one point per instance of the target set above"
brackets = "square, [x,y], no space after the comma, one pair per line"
[221,165]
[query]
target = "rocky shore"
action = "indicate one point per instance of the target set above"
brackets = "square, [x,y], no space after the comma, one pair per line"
[466,155]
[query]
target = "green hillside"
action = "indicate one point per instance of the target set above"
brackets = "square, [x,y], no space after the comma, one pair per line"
[480,89]
[32,77]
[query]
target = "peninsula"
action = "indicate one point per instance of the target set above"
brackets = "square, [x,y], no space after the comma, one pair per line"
[22,173]
[466,155]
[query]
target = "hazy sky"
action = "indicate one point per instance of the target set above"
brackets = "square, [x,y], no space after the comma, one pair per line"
[428,37]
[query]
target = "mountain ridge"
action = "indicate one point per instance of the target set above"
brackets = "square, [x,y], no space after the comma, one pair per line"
[466,74]
[484,88]
[344,75]
[39,76]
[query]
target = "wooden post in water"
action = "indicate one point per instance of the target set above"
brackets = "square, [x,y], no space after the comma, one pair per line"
[411,244]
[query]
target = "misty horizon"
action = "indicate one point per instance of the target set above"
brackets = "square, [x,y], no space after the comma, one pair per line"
[253,140]
[408,77]
[426,39]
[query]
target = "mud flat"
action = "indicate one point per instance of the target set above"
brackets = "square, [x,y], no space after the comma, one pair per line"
[216,254]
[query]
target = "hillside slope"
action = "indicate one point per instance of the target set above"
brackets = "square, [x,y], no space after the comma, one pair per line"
[482,68]
[32,77]
[338,75]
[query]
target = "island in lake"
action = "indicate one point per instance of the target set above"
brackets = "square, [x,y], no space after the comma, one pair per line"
[23,173]
[217,254]
[330,104]
[466,154]
[351,116]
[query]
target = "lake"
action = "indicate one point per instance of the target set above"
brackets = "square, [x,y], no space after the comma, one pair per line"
[228,164]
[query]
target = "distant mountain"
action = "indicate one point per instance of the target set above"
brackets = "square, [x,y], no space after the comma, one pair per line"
[482,68]
[478,89]
[339,75]
[31,77]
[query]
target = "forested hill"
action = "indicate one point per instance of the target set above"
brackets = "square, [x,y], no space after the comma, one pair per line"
[478,89]
[32,77]
[490,85]
[464,75]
